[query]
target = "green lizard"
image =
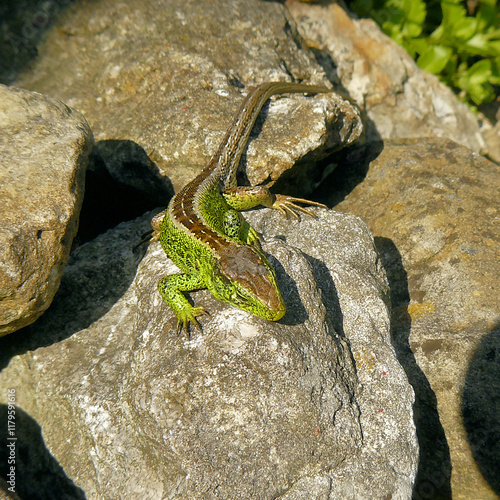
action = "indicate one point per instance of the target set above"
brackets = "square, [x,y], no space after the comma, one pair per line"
[205,235]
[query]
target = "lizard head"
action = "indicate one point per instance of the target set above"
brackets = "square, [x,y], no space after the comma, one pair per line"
[244,278]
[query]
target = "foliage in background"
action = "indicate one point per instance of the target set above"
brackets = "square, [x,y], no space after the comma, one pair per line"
[462,49]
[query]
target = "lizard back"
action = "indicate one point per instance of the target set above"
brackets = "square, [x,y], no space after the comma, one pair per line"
[220,171]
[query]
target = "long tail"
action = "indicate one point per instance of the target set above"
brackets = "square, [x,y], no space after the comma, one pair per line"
[228,154]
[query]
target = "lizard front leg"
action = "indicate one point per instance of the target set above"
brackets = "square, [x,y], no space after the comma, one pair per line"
[246,197]
[171,288]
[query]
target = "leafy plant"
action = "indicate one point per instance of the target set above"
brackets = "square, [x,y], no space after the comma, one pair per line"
[444,39]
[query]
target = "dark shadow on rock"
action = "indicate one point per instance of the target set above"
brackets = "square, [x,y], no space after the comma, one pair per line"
[96,277]
[433,479]
[23,24]
[481,407]
[348,169]
[38,475]
[295,311]
[121,184]
[329,295]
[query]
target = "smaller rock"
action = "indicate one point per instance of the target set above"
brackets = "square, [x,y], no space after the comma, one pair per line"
[399,98]
[44,148]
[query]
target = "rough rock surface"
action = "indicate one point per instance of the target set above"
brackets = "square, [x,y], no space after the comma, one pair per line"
[492,137]
[432,206]
[159,72]
[314,405]
[399,98]
[44,147]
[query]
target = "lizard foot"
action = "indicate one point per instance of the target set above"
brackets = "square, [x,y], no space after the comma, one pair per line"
[288,205]
[189,316]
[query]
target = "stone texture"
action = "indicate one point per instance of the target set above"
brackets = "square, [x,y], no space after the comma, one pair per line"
[432,206]
[492,136]
[400,100]
[38,475]
[168,75]
[44,147]
[5,494]
[316,404]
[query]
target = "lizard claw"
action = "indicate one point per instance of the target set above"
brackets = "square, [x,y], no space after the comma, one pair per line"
[288,205]
[190,318]
[157,221]
[145,238]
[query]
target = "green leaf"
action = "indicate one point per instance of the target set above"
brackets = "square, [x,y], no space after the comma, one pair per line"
[464,28]
[480,45]
[476,82]
[462,68]
[393,30]
[417,45]
[479,72]
[490,3]
[411,30]
[415,11]
[493,34]
[495,71]
[485,16]
[434,58]
[453,13]
[480,93]
[437,35]
[450,70]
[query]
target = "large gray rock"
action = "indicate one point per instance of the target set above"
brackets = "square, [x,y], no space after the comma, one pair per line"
[315,406]
[44,147]
[432,206]
[400,99]
[169,75]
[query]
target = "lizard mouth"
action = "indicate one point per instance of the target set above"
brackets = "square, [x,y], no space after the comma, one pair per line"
[249,268]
